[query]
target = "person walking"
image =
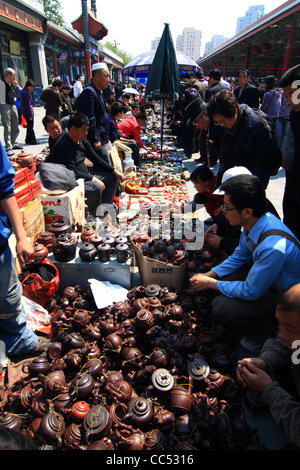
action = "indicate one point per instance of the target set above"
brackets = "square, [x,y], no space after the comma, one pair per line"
[9,112]
[28,111]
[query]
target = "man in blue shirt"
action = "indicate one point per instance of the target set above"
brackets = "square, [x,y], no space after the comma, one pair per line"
[251,279]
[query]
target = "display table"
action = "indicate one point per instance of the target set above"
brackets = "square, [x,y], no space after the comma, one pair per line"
[78,272]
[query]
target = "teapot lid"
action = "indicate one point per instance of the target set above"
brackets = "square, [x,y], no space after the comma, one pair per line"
[96,419]
[162,379]
[198,368]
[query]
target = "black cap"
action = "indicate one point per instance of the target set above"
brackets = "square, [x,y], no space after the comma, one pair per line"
[195,109]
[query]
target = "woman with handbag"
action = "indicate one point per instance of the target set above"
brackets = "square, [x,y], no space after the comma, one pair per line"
[28,111]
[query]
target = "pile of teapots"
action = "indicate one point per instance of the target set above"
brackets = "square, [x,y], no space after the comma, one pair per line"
[150,372]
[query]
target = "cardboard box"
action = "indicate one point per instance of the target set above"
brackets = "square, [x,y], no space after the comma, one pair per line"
[164,274]
[69,206]
[33,219]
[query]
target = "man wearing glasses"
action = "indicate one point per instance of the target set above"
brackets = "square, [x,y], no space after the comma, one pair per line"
[250,280]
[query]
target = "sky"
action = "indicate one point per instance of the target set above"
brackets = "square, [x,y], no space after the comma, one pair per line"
[133,25]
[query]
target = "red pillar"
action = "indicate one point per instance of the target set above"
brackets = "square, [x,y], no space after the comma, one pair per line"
[288,52]
[88,65]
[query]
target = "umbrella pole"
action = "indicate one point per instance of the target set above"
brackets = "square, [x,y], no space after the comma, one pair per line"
[161,128]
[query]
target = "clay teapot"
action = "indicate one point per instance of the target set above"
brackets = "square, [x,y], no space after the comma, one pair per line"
[46,238]
[162,380]
[54,383]
[152,290]
[87,252]
[139,412]
[73,341]
[132,357]
[94,366]
[25,159]
[78,411]
[96,240]
[159,358]
[40,251]
[10,420]
[112,343]
[97,423]
[181,398]
[62,403]
[87,233]
[72,437]
[120,390]
[144,319]
[59,227]
[82,386]
[52,428]
[64,247]
[39,365]
[81,318]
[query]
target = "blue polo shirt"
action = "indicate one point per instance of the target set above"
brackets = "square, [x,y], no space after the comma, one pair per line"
[276,262]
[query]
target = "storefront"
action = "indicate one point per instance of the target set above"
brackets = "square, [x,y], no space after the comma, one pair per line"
[21,40]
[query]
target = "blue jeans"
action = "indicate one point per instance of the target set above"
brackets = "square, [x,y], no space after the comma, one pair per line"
[18,338]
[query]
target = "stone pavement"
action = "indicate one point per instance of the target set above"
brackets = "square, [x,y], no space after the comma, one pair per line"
[275,188]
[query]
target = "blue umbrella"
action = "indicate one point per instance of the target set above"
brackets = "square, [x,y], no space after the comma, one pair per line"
[163,81]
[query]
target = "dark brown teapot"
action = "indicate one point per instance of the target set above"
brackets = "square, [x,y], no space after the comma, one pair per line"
[139,412]
[59,227]
[97,423]
[46,238]
[82,386]
[39,365]
[52,428]
[181,398]
[72,437]
[64,247]
[87,252]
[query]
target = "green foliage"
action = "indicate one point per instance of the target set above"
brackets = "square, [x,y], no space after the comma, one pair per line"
[52,9]
[126,57]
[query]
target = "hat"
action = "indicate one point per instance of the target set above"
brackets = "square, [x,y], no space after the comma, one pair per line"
[195,109]
[99,66]
[235,171]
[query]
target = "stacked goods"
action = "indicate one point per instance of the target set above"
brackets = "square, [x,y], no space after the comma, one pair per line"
[150,372]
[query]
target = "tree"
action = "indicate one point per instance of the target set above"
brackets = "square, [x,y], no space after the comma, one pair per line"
[126,57]
[52,9]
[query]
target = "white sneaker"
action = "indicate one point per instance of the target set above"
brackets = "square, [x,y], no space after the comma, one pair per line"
[250,345]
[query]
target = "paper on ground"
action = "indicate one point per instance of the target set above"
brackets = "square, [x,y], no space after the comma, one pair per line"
[106,294]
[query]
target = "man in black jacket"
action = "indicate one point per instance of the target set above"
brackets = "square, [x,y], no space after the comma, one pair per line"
[91,103]
[245,92]
[249,138]
[71,150]
[214,84]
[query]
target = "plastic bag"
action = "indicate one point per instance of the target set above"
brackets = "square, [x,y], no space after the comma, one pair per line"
[23,122]
[40,281]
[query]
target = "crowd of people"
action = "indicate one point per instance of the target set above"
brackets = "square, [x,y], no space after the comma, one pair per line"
[244,133]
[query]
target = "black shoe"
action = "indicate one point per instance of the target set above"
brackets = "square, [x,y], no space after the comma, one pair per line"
[17,147]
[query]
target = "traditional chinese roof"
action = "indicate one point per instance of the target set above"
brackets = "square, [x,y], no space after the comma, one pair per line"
[96,29]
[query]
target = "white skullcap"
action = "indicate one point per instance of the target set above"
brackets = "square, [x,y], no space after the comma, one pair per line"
[235,171]
[99,66]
